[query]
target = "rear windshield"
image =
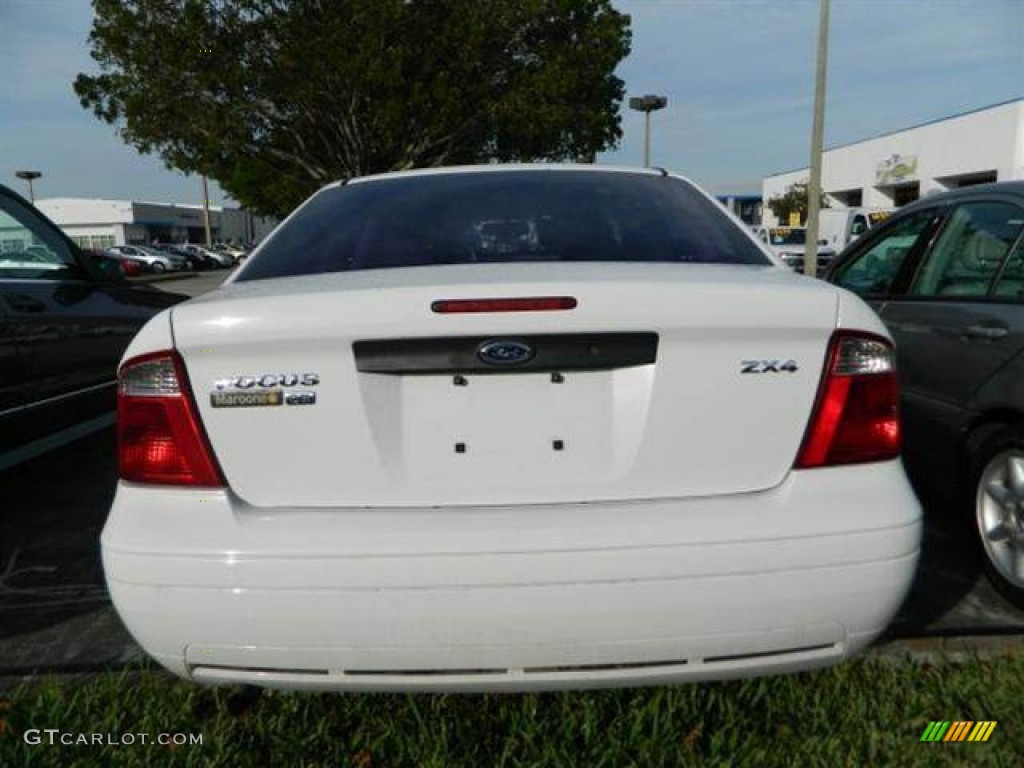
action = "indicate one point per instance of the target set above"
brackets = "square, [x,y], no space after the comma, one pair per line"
[510,216]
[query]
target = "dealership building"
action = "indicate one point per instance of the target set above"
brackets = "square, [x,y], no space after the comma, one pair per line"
[103,223]
[897,168]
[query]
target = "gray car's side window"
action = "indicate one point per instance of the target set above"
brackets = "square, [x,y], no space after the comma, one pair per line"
[28,249]
[970,250]
[873,271]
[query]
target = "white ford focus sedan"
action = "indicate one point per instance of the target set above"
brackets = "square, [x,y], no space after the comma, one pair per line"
[507,428]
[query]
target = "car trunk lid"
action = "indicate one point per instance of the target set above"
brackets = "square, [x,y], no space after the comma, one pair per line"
[350,390]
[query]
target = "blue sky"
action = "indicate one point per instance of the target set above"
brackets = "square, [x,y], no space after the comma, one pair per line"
[738,75]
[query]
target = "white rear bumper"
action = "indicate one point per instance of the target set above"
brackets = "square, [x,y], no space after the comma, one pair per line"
[530,597]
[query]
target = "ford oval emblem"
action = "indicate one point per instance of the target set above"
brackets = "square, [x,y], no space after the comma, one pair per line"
[504,352]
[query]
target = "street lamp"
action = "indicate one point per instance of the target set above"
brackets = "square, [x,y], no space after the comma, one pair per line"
[647,104]
[29,176]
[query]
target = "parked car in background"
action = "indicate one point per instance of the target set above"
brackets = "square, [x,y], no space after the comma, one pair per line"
[548,427]
[112,267]
[946,275]
[195,261]
[155,261]
[210,256]
[838,227]
[237,253]
[790,243]
[65,320]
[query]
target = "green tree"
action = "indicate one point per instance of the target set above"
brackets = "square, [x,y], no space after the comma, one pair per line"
[275,98]
[793,199]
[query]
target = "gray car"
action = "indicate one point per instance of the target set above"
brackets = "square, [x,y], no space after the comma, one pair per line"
[946,275]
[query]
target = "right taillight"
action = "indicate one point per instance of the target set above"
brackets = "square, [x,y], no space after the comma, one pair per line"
[856,415]
[160,439]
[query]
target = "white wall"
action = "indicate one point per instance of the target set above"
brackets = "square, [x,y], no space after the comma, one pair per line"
[76,211]
[115,231]
[130,221]
[987,140]
[1018,160]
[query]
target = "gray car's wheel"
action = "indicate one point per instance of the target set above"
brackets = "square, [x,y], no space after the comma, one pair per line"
[998,498]
[158,267]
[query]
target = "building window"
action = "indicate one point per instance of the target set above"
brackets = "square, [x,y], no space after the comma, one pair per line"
[93,242]
[906,193]
[848,198]
[977,178]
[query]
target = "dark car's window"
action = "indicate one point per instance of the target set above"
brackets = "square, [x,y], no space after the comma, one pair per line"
[514,216]
[1011,281]
[29,249]
[873,271]
[970,250]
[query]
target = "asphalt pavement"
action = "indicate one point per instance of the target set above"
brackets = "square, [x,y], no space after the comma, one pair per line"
[190,283]
[55,615]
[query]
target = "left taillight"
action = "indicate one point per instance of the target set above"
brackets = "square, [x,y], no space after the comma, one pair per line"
[160,438]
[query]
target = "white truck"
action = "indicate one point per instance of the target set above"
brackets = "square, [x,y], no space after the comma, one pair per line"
[790,243]
[838,227]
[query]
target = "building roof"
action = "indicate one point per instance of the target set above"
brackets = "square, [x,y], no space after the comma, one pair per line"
[830,148]
[109,201]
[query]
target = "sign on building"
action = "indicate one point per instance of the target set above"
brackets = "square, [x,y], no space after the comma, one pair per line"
[896,168]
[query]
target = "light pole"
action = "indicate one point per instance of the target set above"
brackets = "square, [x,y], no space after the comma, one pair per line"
[206,213]
[817,132]
[29,176]
[647,104]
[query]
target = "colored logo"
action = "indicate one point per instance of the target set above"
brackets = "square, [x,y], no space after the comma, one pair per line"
[959,730]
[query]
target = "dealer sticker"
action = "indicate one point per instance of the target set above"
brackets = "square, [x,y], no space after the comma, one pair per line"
[245,399]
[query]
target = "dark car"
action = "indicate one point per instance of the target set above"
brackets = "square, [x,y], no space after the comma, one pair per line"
[212,258]
[946,274]
[65,320]
[195,261]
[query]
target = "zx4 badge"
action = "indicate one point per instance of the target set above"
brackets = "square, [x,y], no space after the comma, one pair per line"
[768,366]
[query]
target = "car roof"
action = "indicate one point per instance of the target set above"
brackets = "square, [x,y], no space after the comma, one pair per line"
[504,168]
[1011,188]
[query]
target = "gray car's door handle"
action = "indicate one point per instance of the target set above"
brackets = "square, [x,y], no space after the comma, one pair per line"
[987,332]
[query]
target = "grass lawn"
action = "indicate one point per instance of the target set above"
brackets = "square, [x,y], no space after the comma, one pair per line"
[866,713]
